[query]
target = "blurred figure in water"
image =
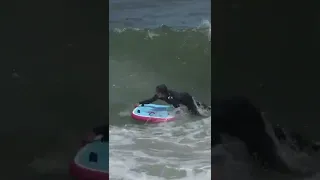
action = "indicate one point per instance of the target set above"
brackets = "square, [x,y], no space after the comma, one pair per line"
[238,117]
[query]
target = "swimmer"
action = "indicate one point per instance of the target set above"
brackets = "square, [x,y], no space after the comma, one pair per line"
[176,99]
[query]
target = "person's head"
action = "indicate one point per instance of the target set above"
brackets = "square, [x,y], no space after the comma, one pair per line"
[162,90]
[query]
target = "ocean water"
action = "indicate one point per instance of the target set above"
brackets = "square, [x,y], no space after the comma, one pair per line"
[151,43]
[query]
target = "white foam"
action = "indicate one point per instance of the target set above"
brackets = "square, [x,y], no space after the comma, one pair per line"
[161,151]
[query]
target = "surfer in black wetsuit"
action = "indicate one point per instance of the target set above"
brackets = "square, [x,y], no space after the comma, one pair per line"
[175,98]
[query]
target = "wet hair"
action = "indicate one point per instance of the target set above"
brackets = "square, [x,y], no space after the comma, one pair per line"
[162,89]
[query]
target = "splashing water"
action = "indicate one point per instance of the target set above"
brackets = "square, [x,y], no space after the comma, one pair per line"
[175,150]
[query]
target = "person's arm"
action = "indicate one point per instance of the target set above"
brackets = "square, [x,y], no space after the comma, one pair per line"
[173,102]
[148,101]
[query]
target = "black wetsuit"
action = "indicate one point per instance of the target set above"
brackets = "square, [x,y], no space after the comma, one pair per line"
[102,130]
[175,98]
